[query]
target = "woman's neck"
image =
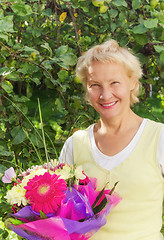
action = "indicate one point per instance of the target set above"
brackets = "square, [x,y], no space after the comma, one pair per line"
[119,124]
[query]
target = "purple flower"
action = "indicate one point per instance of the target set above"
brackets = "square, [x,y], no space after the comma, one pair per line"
[9,175]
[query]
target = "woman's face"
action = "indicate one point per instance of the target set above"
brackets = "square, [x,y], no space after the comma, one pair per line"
[108,88]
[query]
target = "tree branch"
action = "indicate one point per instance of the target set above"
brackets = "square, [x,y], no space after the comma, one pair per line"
[74,24]
[57,24]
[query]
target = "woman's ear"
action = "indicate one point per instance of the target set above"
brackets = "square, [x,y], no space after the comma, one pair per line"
[133,82]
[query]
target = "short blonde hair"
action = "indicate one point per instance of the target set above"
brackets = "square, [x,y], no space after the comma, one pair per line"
[110,51]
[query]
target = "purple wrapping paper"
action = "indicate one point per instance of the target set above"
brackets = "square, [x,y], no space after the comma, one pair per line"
[65,224]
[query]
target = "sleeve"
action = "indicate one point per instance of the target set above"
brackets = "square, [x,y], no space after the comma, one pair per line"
[161,151]
[66,155]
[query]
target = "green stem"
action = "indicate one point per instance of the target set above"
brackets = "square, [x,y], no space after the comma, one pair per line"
[43,135]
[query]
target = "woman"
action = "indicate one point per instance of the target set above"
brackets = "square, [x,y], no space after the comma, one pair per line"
[121,146]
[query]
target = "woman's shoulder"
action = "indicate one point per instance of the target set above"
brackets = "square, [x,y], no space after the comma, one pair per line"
[155,123]
[82,132]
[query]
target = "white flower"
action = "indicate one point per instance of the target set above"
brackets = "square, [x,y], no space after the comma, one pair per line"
[79,173]
[16,196]
[66,172]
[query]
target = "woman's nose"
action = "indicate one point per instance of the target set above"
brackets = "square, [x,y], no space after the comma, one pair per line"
[106,94]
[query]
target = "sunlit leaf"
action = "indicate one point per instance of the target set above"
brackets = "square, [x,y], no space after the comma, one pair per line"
[7,86]
[135,4]
[162,56]
[139,29]
[159,48]
[21,9]
[151,23]
[61,50]
[63,16]
[119,3]
[4,36]
[6,24]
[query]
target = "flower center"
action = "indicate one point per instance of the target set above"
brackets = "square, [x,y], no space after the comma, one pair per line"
[43,189]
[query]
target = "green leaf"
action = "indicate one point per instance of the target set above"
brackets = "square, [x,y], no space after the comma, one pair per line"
[98,3]
[4,36]
[63,75]
[36,140]
[5,153]
[99,207]
[42,215]
[135,4]
[1,231]
[2,168]
[98,197]
[151,23]
[162,56]
[56,127]
[141,39]
[113,26]
[7,86]
[113,188]
[119,3]
[15,221]
[61,50]
[46,46]
[18,135]
[21,9]
[29,49]
[21,99]
[69,59]
[6,24]
[14,76]
[139,29]
[113,13]
[36,81]
[159,48]
[5,234]
[1,13]
[5,70]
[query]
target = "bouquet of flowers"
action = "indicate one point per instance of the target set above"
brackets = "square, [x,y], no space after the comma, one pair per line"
[56,201]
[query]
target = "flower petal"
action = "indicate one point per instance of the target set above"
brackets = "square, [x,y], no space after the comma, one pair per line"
[9,175]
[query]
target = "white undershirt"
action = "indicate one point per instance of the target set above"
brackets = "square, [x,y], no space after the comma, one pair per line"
[110,162]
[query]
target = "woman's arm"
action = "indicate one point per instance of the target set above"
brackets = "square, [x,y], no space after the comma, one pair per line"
[66,155]
[161,152]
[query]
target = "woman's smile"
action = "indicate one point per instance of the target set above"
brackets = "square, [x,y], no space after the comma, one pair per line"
[108,105]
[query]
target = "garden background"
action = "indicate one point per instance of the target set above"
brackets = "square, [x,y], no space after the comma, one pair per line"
[40,41]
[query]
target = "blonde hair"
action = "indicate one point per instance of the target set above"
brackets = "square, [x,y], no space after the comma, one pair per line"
[110,51]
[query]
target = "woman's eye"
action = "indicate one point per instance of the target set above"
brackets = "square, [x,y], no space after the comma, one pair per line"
[95,85]
[115,82]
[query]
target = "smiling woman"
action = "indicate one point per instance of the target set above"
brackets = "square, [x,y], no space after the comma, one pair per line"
[109,88]
[121,147]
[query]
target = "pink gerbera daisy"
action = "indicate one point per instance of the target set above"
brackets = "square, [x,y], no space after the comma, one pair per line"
[45,192]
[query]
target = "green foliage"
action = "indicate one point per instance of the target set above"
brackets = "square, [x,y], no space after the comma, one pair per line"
[40,42]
